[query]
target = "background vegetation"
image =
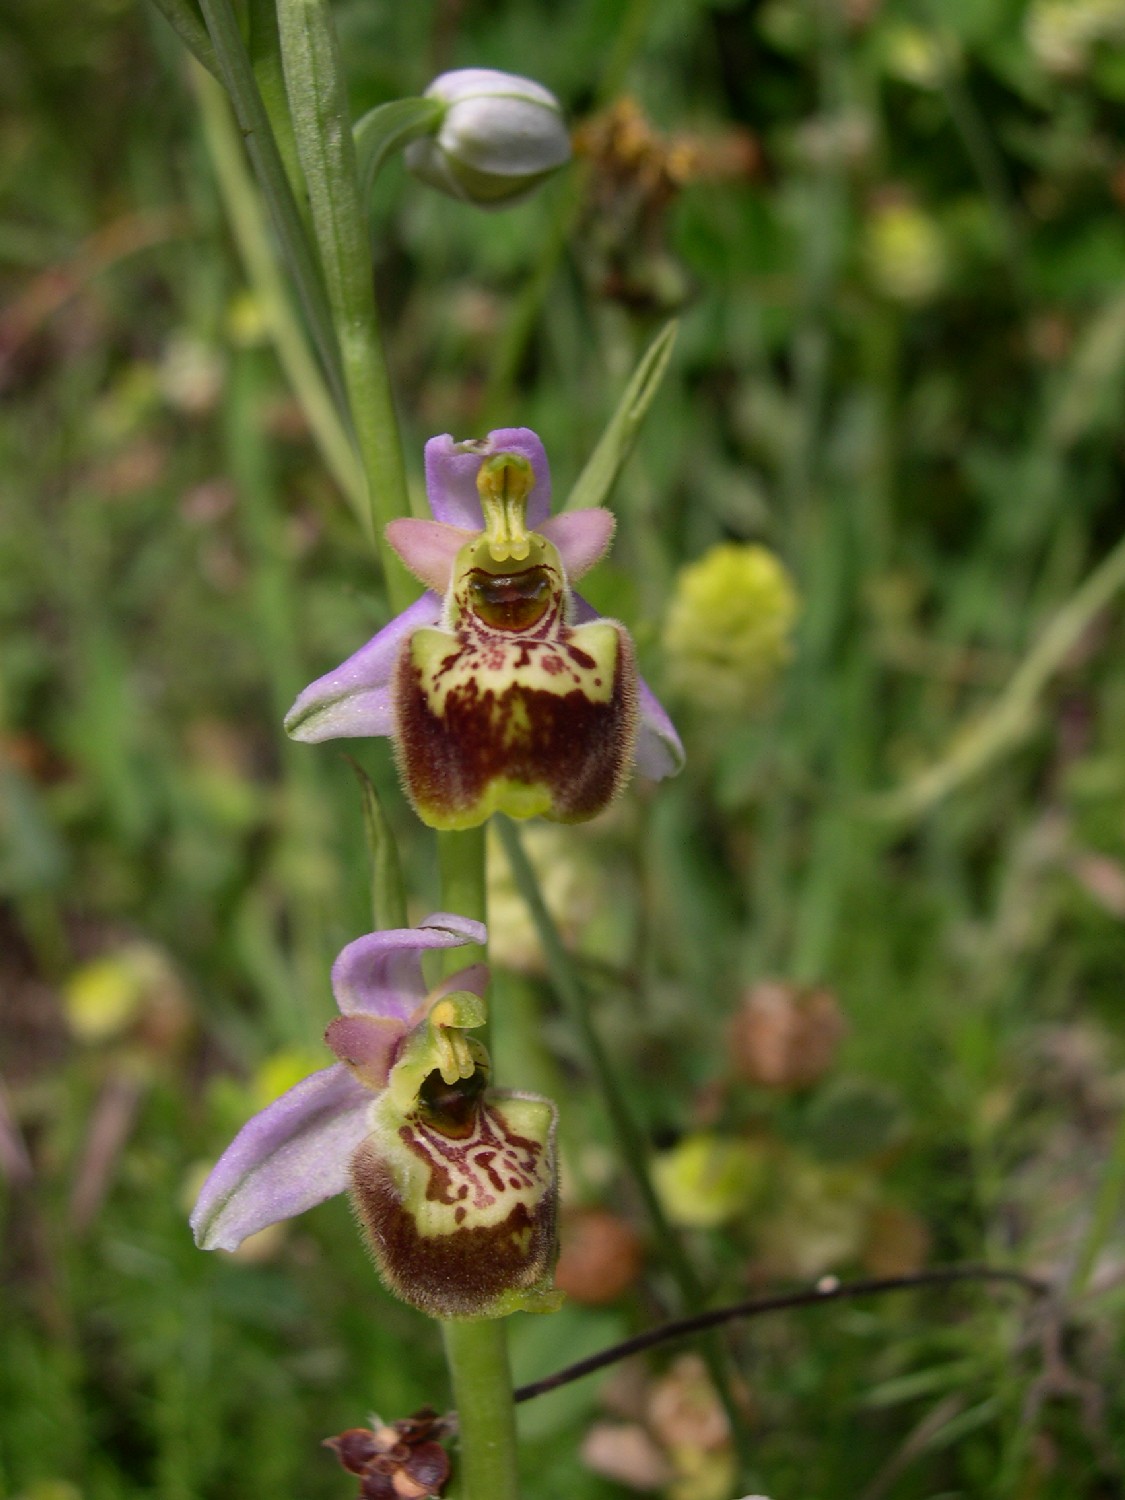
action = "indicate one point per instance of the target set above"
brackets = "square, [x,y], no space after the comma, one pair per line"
[895,234]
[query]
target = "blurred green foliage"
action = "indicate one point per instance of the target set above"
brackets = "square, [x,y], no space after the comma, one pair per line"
[895,235]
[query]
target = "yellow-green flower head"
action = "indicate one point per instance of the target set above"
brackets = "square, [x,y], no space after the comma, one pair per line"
[728,629]
[905,252]
[706,1180]
[914,54]
[1062,34]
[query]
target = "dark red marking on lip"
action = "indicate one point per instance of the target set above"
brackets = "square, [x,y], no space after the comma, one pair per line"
[580,749]
[458,1274]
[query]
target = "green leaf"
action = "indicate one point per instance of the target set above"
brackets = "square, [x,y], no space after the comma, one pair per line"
[616,443]
[388,896]
[186,20]
[388,128]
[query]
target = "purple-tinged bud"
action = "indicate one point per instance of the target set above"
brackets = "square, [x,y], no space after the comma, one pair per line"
[499,137]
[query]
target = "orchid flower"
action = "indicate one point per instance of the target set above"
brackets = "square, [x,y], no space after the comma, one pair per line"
[453,1183]
[503,690]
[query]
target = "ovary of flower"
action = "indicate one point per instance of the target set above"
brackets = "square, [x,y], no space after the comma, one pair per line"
[502,689]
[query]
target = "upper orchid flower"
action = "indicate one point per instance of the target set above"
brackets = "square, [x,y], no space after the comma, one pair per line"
[503,689]
[453,1183]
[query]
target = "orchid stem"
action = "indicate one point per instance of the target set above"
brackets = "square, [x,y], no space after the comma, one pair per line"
[634,1149]
[461,860]
[322,124]
[477,1354]
[477,1350]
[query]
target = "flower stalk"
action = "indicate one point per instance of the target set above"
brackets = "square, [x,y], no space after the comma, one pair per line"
[477,1355]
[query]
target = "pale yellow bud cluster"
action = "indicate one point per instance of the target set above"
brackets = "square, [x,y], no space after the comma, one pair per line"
[905,252]
[1063,34]
[728,629]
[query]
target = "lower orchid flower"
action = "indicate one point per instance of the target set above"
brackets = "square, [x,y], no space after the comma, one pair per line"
[503,690]
[453,1183]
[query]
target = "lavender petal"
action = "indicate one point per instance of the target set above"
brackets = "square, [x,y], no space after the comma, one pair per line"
[381,974]
[293,1155]
[355,698]
[451,475]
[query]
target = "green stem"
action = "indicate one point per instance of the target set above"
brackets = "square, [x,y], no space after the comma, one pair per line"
[244,212]
[477,1350]
[318,102]
[1107,1205]
[634,1148]
[461,861]
[1013,715]
[984,157]
[237,75]
[477,1353]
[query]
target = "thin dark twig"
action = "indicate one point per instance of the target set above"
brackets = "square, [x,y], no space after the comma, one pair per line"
[826,1290]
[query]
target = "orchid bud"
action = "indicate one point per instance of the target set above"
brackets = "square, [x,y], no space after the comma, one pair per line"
[500,136]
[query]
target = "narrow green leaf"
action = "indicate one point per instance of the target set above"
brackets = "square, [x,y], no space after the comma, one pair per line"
[237,76]
[903,1388]
[388,895]
[186,20]
[388,128]
[264,46]
[616,443]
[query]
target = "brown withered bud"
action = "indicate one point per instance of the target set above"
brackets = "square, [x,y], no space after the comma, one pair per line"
[601,1256]
[355,1448]
[785,1036]
[683,1410]
[400,1460]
